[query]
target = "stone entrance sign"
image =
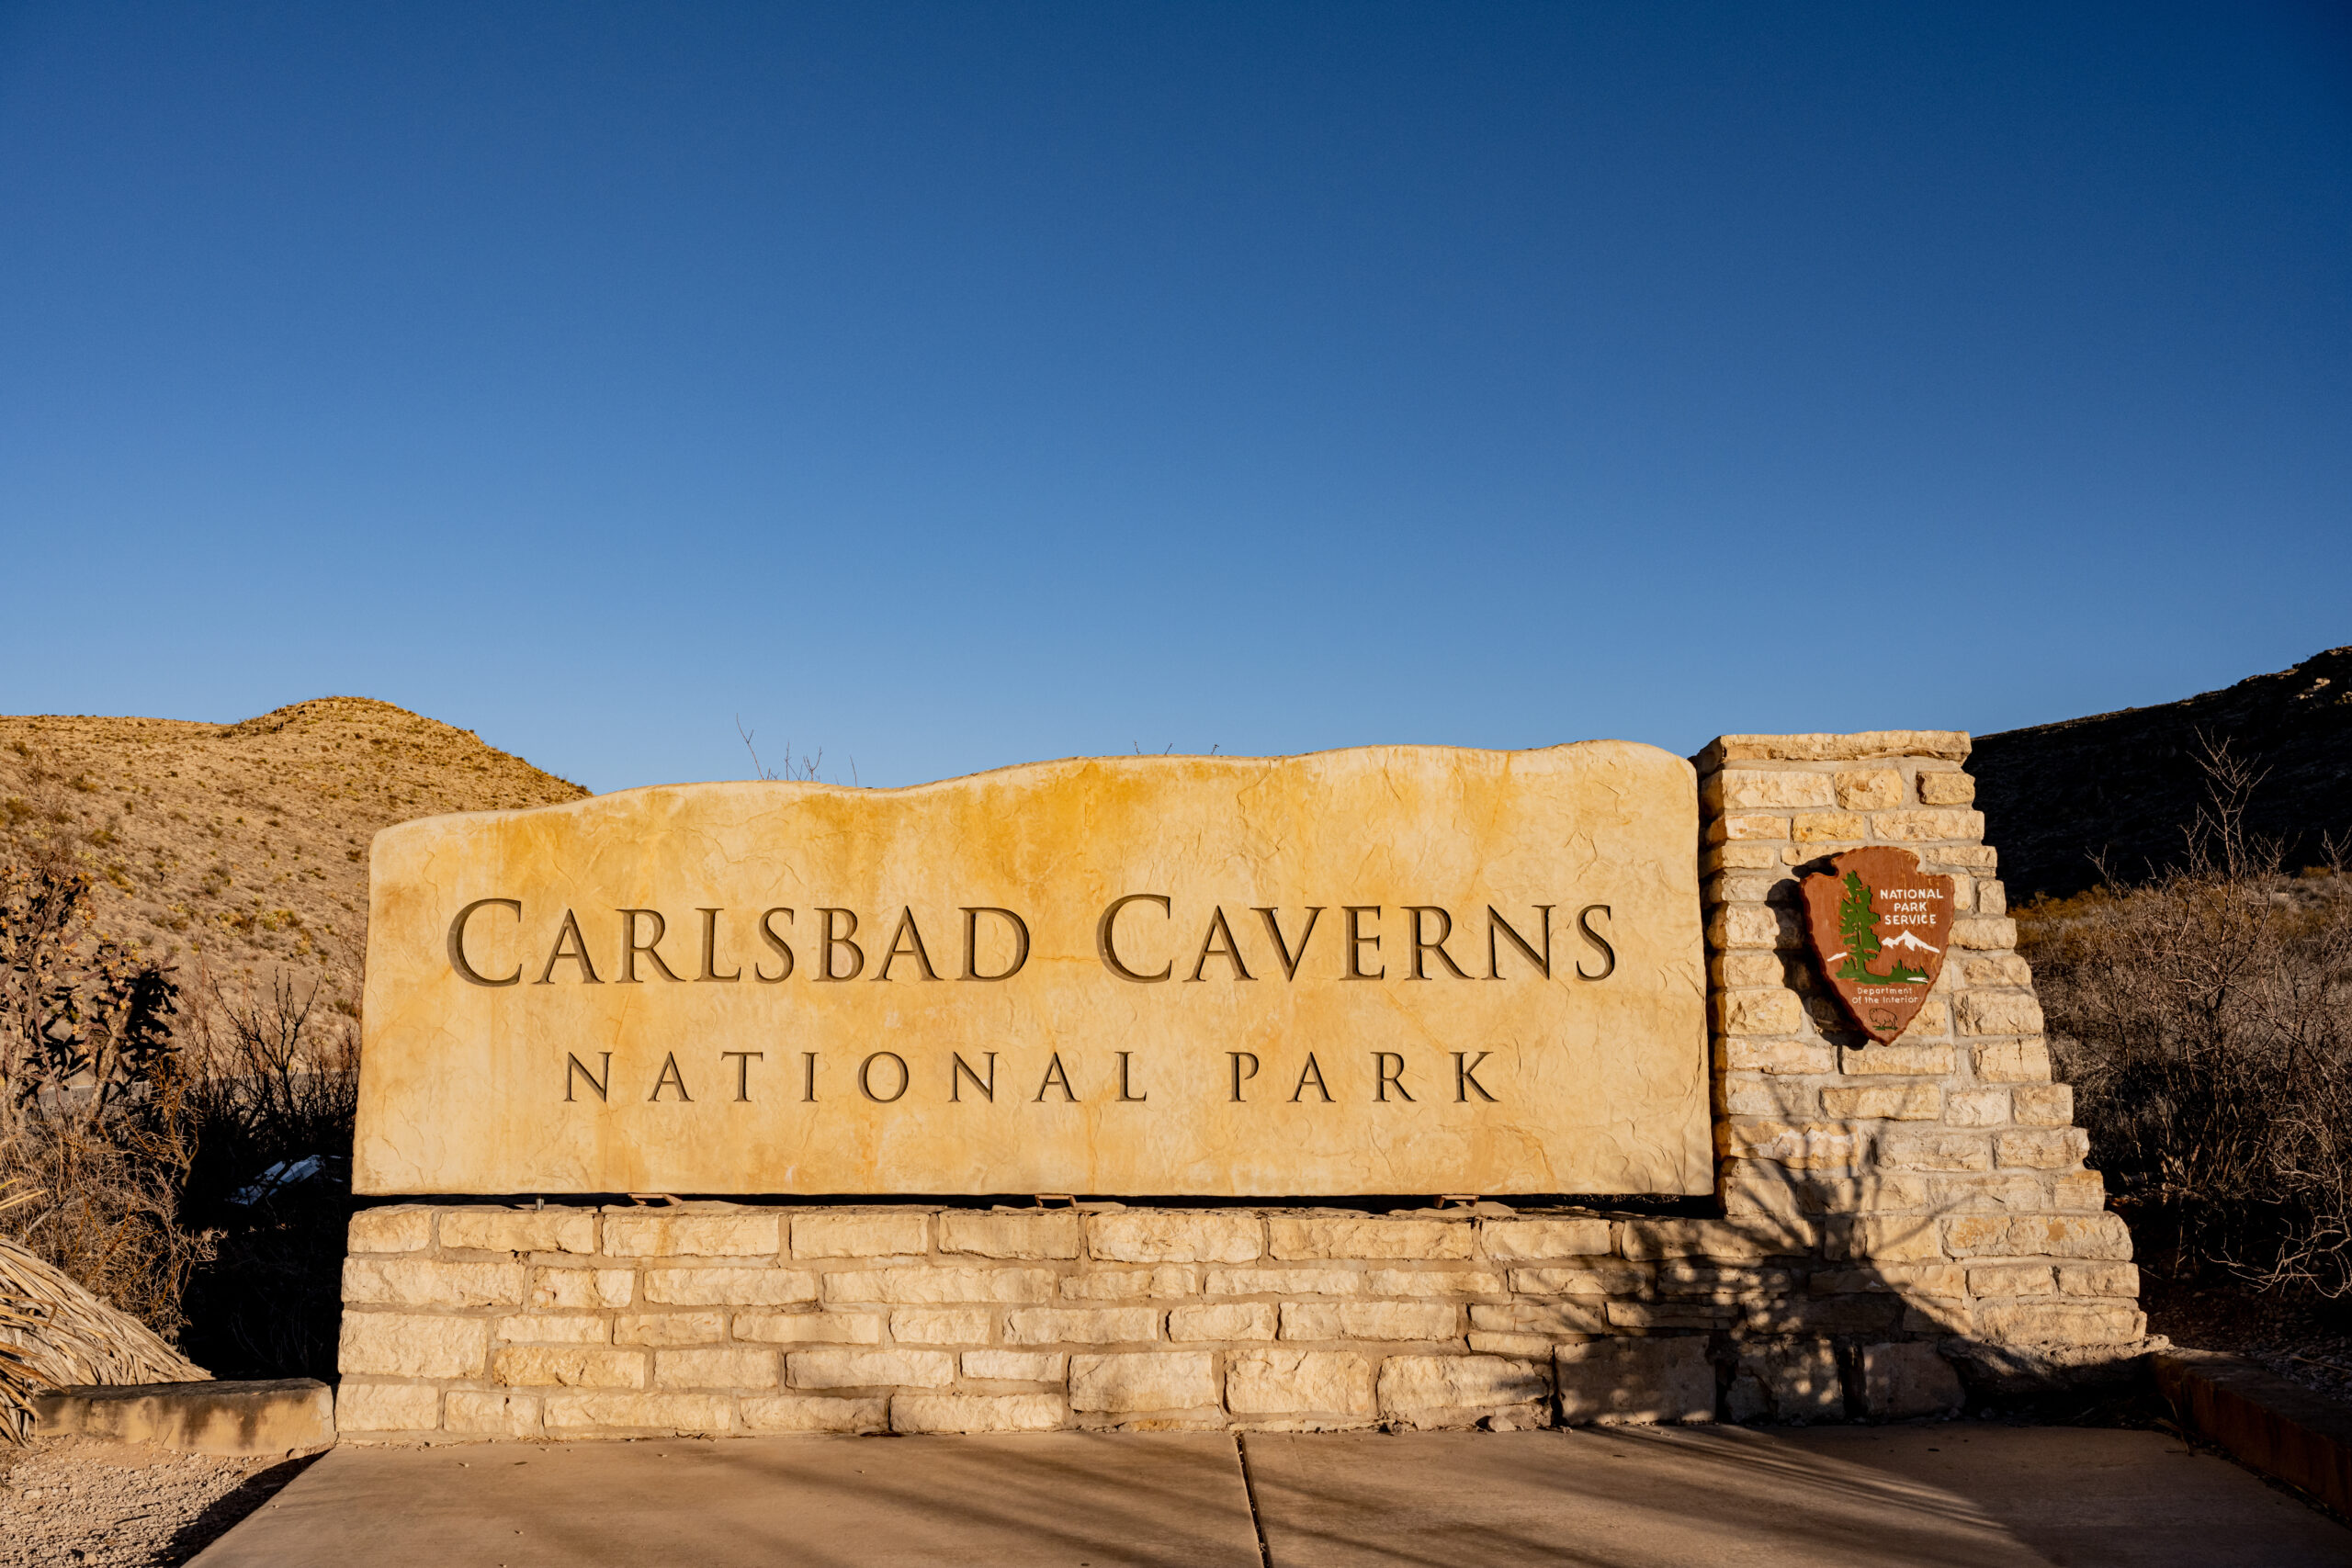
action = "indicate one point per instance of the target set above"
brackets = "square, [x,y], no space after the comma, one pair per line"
[1392,970]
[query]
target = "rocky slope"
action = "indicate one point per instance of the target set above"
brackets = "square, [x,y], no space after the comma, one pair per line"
[240,849]
[2125,785]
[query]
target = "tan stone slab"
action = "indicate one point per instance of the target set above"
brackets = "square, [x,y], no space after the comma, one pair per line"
[701,1058]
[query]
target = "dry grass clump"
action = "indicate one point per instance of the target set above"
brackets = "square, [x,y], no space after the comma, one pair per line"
[2205,1019]
[54,1334]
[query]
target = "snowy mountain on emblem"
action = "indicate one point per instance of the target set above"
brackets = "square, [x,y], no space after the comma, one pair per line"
[1904,939]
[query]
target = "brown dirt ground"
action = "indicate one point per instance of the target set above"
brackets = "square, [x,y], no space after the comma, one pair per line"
[241,850]
[65,1501]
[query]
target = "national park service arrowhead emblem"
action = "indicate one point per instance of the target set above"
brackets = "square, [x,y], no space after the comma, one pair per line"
[1879,925]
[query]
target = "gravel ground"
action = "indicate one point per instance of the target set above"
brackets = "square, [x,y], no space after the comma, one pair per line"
[65,1501]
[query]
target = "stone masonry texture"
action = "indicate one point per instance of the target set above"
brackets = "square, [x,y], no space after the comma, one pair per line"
[1883,1212]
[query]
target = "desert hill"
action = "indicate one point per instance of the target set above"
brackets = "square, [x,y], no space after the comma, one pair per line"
[2124,784]
[242,849]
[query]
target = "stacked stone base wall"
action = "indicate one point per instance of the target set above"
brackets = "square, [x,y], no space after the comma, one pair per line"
[563,1322]
[1889,1218]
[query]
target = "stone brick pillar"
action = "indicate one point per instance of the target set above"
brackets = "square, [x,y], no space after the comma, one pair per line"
[1944,1170]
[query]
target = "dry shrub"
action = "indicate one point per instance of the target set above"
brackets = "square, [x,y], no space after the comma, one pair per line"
[2205,1019]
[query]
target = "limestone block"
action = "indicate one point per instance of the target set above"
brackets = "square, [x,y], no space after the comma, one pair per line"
[419,1281]
[2045,1104]
[568,1366]
[1900,1381]
[1283,1282]
[738,1286]
[1447,1390]
[1996,969]
[1746,886]
[492,1414]
[1325,1235]
[405,1228]
[1951,859]
[1908,1057]
[658,1412]
[1739,857]
[2099,1237]
[2046,1148]
[1940,788]
[1919,826]
[810,1327]
[1018,1366]
[1948,745]
[1777,1057]
[2013,1280]
[1517,1347]
[2061,1321]
[1937,1314]
[1652,1379]
[1998,1012]
[1813,1146]
[657,1235]
[1870,789]
[1986,933]
[1590,1315]
[941,1326]
[1904,1278]
[1030,1237]
[1738,926]
[1771,1098]
[1290,1382]
[387,1407]
[1164,1235]
[1746,825]
[1774,1010]
[869,1369]
[1531,1241]
[1371,1320]
[1936,1151]
[557,1328]
[1723,1281]
[2012,1190]
[978,1413]
[1740,789]
[860,1235]
[411,1345]
[733,1367]
[815,1413]
[1893,1238]
[1144,1380]
[1597,1276]
[582,1286]
[1646,1317]
[519,1230]
[1992,899]
[931,1287]
[707,1327]
[1978,1107]
[1730,1241]
[1733,971]
[2079,1189]
[2098,1278]
[1896,1101]
[1237,1319]
[1798,1376]
[1167,1282]
[1432,1282]
[1081,1326]
[1831,828]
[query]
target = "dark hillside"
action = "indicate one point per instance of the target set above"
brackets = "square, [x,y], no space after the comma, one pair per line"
[2126,784]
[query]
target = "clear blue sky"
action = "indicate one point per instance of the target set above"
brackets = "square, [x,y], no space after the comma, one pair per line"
[950,385]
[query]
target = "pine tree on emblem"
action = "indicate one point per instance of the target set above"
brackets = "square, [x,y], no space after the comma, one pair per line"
[1858,929]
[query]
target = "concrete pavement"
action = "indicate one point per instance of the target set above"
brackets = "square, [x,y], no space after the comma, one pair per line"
[1978,1493]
